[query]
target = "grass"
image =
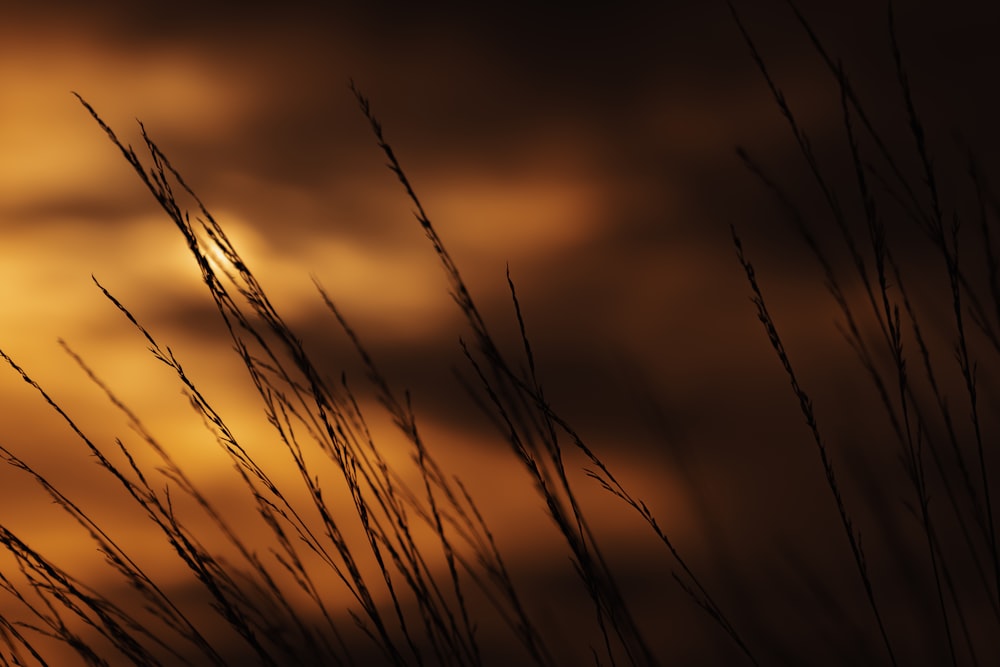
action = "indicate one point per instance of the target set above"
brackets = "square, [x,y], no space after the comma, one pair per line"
[362,562]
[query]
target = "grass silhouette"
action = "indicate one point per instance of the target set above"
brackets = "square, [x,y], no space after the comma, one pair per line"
[387,571]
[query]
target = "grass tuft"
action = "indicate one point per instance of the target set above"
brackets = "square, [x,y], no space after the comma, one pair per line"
[358,562]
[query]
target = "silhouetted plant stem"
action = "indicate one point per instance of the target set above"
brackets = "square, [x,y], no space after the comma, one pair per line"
[805,405]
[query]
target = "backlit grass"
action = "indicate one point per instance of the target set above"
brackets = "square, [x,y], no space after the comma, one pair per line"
[361,557]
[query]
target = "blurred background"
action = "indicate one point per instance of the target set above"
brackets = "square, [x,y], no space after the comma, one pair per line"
[592,151]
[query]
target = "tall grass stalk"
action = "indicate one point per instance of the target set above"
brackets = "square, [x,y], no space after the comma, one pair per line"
[884,285]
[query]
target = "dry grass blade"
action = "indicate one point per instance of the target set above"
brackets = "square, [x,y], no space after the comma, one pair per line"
[805,404]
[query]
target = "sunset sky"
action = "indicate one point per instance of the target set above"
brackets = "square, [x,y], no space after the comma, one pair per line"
[590,150]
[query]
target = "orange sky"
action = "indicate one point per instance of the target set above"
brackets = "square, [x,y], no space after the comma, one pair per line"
[591,151]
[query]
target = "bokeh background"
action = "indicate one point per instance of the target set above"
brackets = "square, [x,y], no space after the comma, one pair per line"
[591,150]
